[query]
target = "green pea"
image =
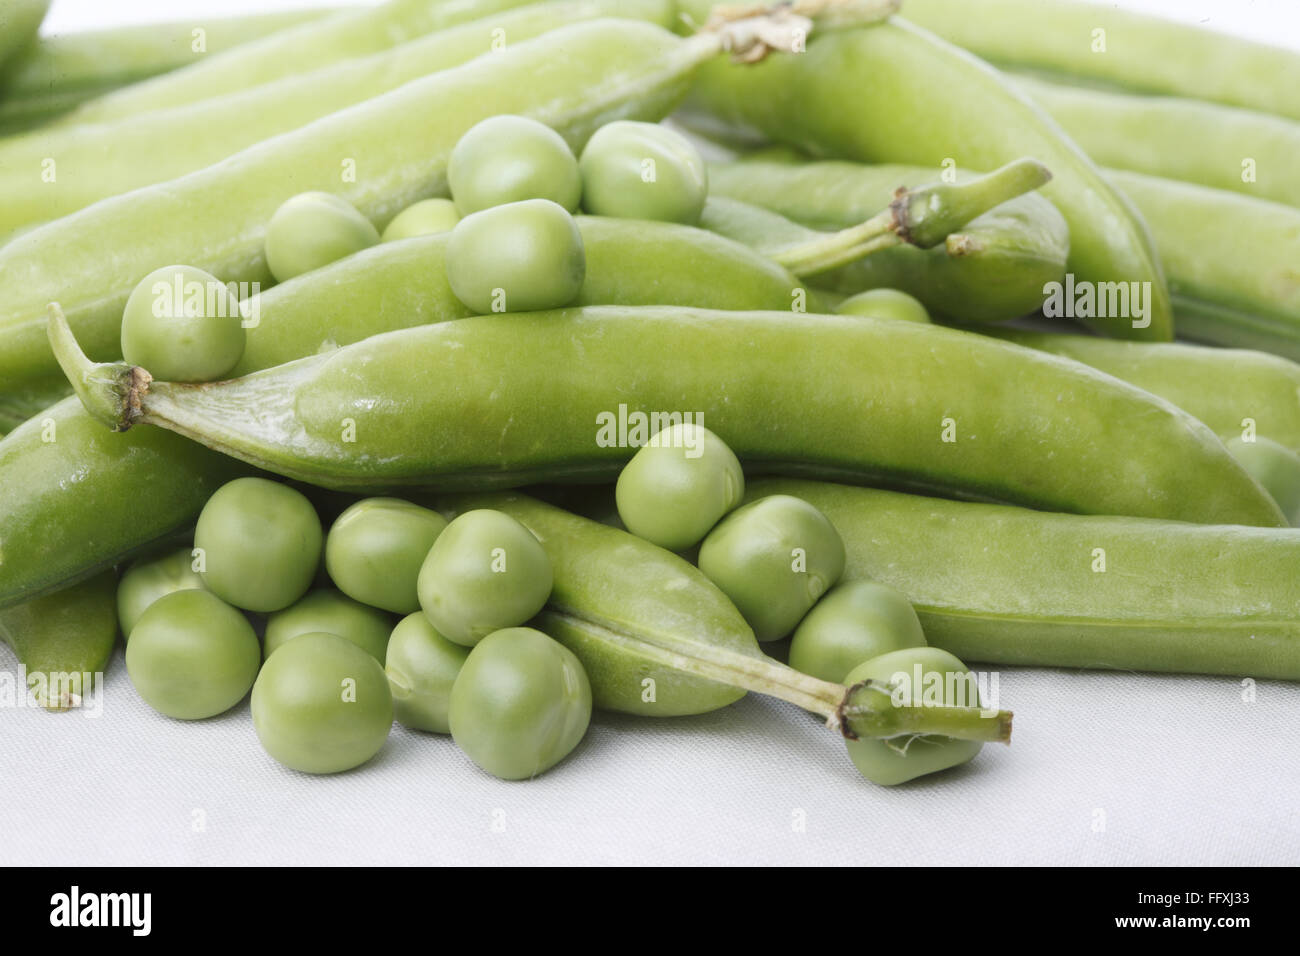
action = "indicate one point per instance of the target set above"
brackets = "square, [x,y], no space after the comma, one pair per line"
[311,230]
[521,257]
[147,580]
[485,572]
[375,548]
[894,761]
[505,159]
[322,705]
[885,304]
[192,656]
[520,705]
[677,486]
[1274,466]
[260,543]
[182,324]
[422,666]
[327,611]
[774,558]
[633,170]
[424,218]
[854,622]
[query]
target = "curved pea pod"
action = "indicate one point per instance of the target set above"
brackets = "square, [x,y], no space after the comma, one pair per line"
[1105,45]
[97,160]
[992,269]
[78,499]
[931,103]
[64,640]
[1237,392]
[506,400]
[370,154]
[657,638]
[1009,586]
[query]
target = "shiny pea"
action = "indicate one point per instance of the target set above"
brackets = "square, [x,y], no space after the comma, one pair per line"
[774,558]
[148,579]
[520,704]
[505,159]
[885,304]
[854,622]
[375,548]
[328,611]
[422,666]
[182,324]
[424,218]
[313,229]
[633,170]
[678,486]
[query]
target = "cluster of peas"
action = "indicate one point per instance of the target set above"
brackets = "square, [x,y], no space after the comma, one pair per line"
[333,671]
[513,243]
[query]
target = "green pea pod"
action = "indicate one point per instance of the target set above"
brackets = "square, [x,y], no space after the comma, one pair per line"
[575,79]
[346,34]
[991,270]
[64,640]
[79,499]
[657,638]
[1105,45]
[1231,262]
[1008,586]
[931,103]
[1235,391]
[19,21]
[1220,146]
[506,400]
[58,72]
[95,161]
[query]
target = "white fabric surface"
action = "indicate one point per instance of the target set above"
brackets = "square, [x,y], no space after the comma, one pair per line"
[1105,769]
[1174,770]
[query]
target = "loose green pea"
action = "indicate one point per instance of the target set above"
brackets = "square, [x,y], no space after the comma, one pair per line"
[311,230]
[424,218]
[897,760]
[633,170]
[521,703]
[375,548]
[322,705]
[182,324]
[485,572]
[774,558]
[854,622]
[505,159]
[147,580]
[678,486]
[260,543]
[1274,466]
[330,612]
[885,304]
[521,257]
[192,656]
[422,666]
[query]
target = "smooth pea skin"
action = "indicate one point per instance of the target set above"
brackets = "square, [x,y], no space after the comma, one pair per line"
[485,572]
[505,159]
[884,304]
[313,229]
[424,218]
[147,580]
[375,548]
[894,761]
[520,257]
[327,611]
[422,666]
[182,324]
[633,170]
[192,656]
[261,544]
[854,622]
[521,704]
[774,558]
[1274,466]
[322,705]
[678,486]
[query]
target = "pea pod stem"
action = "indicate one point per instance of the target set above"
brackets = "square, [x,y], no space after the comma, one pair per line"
[923,217]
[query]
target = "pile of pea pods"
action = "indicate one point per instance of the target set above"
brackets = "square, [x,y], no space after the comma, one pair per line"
[478,365]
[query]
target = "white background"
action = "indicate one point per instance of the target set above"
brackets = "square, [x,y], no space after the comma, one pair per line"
[1105,768]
